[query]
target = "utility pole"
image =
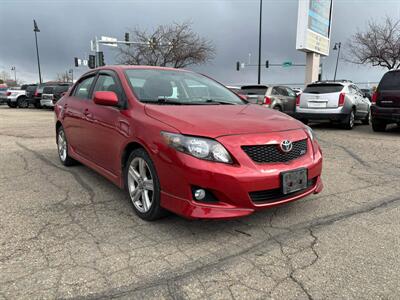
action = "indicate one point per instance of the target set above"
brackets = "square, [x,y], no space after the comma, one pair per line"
[15,73]
[36,30]
[259,45]
[337,47]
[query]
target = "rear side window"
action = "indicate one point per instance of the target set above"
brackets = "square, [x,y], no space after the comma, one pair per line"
[323,88]
[390,81]
[48,90]
[254,90]
[31,88]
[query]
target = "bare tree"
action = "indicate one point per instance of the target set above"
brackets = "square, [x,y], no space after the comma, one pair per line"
[64,77]
[173,45]
[378,45]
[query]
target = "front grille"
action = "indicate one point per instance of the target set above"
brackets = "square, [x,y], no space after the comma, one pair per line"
[276,195]
[272,153]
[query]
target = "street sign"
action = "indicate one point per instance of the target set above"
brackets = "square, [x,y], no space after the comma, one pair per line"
[286,64]
[112,41]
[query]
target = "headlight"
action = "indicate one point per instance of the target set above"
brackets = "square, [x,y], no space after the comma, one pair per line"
[310,133]
[202,148]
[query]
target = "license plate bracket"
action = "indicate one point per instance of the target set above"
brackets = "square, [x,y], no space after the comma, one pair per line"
[294,181]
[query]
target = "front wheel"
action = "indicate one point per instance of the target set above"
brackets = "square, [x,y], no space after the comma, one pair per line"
[142,185]
[349,121]
[367,119]
[62,146]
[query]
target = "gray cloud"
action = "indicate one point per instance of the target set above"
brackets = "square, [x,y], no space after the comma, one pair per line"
[67,27]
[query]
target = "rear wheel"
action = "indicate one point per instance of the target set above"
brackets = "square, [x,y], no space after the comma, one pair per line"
[378,125]
[22,102]
[37,104]
[142,185]
[349,121]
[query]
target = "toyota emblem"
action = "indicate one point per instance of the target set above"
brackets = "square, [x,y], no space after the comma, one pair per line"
[286,146]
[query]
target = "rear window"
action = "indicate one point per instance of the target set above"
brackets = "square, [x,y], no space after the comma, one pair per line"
[31,88]
[390,81]
[61,89]
[323,88]
[254,90]
[48,90]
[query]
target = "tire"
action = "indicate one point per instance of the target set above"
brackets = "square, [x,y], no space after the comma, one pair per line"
[378,126]
[277,107]
[349,121]
[62,147]
[367,119]
[37,104]
[12,104]
[145,198]
[23,102]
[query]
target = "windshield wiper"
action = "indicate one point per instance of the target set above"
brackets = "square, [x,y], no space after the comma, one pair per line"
[162,101]
[219,102]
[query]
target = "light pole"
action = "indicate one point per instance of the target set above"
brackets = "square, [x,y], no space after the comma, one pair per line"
[15,73]
[337,47]
[71,71]
[36,30]
[259,45]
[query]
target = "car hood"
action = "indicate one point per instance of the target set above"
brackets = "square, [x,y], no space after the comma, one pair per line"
[219,120]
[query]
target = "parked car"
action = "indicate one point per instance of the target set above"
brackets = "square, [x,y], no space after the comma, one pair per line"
[16,97]
[51,94]
[30,93]
[39,90]
[385,107]
[334,101]
[280,98]
[147,130]
[367,93]
[3,91]
[298,91]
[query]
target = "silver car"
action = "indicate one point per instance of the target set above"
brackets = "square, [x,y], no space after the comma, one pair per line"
[341,102]
[280,98]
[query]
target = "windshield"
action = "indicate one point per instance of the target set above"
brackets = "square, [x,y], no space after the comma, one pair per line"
[178,87]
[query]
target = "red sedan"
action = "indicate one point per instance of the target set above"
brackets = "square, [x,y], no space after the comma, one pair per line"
[179,141]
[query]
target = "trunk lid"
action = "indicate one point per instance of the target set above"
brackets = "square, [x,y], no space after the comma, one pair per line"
[389,90]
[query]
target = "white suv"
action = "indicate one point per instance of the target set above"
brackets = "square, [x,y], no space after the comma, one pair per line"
[336,101]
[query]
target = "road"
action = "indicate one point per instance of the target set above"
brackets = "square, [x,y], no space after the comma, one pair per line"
[69,233]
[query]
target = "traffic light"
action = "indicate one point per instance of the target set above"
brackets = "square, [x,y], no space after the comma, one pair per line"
[153,43]
[101,58]
[92,62]
[76,62]
[238,66]
[267,64]
[126,36]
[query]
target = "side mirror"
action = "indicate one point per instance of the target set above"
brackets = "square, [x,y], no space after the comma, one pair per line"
[105,98]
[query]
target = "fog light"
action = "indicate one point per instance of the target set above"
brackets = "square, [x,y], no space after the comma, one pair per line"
[199,194]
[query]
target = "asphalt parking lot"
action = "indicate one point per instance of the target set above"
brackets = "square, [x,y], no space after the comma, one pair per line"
[69,233]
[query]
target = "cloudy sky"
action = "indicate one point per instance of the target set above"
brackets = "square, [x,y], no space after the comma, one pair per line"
[67,26]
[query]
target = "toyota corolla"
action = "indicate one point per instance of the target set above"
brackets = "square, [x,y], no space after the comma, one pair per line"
[179,141]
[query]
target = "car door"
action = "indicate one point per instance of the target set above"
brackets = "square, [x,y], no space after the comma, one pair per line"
[74,117]
[364,101]
[290,101]
[108,127]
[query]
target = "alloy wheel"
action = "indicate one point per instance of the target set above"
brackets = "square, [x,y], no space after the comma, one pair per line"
[140,185]
[62,145]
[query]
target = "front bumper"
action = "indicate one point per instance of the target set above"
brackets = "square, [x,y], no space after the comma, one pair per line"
[232,184]
[330,114]
[388,114]
[47,102]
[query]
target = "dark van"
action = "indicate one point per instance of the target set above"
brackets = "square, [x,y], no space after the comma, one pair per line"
[385,107]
